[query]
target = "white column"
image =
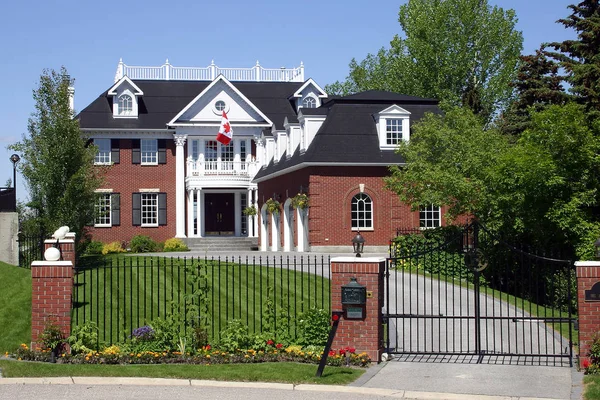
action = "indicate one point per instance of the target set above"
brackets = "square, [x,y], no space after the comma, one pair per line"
[237,213]
[250,218]
[286,226]
[179,185]
[256,216]
[274,232]
[190,209]
[302,245]
[200,212]
[264,231]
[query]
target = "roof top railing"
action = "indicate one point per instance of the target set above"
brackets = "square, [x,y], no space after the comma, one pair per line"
[168,72]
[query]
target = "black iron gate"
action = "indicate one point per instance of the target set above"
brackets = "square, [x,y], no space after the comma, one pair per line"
[470,297]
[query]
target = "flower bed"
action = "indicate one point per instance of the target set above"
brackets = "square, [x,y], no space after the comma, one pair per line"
[206,355]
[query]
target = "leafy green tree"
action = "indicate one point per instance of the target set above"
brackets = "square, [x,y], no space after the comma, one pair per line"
[458,51]
[537,85]
[581,57]
[541,190]
[56,164]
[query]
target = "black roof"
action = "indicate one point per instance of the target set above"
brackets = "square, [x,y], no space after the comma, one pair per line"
[163,100]
[349,134]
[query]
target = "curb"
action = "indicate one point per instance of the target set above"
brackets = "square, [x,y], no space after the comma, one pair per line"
[398,394]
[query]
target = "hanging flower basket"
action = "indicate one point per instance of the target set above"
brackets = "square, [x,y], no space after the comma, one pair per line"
[300,201]
[250,211]
[273,206]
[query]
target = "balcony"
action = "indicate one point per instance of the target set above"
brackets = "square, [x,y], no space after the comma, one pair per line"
[220,173]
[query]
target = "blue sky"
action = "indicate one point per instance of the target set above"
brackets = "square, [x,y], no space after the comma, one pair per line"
[89,37]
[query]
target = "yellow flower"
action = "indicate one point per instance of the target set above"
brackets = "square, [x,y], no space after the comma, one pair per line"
[208,356]
[246,356]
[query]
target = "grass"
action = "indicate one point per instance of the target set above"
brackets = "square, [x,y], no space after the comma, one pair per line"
[121,294]
[592,387]
[15,307]
[262,372]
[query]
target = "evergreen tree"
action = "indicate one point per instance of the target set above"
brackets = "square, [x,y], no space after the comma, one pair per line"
[537,85]
[580,57]
[56,164]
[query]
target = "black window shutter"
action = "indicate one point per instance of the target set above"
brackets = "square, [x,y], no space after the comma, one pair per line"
[135,151]
[137,209]
[115,209]
[162,151]
[162,208]
[115,154]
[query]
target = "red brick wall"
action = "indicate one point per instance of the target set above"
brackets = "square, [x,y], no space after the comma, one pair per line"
[51,300]
[127,178]
[589,311]
[365,335]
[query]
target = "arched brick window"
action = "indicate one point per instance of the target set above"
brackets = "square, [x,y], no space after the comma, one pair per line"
[362,211]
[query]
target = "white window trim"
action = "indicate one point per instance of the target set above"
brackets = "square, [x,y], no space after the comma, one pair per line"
[309,96]
[393,112]
[142,162]
[372,227]
[439,219]
[109,224]
[142,224]
[109,162]
[134,105]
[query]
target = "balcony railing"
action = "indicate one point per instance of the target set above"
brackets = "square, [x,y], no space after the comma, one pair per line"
[167,72]
[242,169]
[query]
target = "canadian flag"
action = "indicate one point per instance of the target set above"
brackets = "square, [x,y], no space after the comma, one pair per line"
[225,132]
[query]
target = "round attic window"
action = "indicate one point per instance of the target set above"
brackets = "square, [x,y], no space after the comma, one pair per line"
[220,105]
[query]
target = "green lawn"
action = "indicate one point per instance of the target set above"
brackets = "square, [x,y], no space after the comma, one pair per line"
[592,387]
[262,372]
[15,307]
[123,293]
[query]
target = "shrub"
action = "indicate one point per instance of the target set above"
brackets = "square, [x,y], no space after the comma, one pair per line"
[142,244]
[51,337]
[314,327]
[113,247]
[94,248]
[175,244]
[84,338]
[234,336]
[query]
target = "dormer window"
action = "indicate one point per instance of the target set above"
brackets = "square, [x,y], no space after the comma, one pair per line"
[125,97]
[393,127]
[125,105]
[309,102]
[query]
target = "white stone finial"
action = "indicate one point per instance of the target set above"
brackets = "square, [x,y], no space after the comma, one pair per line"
[301,64]
[120,60]
[257,64]
[212,62]
[167,62]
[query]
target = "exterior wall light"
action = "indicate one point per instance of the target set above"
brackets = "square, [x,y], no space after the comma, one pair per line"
[358,243]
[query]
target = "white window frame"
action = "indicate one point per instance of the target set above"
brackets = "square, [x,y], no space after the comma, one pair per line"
[103,155]
[312,98]
[124,99]
[149,209]
[149,151]
[392,113]
[103,205]
[430,217]
[362,214]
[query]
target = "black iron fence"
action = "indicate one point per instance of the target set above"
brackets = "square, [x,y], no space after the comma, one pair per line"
[31,248]
[264,293]
[8,199]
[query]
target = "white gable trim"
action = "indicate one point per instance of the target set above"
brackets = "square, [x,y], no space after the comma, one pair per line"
[113,90]
[394,109]
[235,90]
[392,112]
[310,81]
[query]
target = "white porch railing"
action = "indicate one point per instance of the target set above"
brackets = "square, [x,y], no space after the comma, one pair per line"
[222,168]
[169,72]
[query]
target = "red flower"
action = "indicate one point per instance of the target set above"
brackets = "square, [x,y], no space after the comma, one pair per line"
[331,353]
[342,352]
[586,363]
[270,342]
[279,345]
[351,350]
[207,347]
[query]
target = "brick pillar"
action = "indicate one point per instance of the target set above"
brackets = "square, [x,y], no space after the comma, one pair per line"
[52,289]
[588,279]
[366,334]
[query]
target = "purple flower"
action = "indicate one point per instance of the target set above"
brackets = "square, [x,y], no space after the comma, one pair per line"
[143,333]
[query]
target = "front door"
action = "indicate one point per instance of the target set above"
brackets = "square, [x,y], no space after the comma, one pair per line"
[219,214]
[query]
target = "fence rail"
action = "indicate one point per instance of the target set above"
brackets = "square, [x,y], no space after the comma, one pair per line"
[122,294]
[31,248]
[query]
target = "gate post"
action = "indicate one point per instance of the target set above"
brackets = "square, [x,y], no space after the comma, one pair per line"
[52,291]
[364,334]
[588,301]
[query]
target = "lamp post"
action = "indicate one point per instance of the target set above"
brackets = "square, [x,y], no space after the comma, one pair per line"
[15,159]
[358,243]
